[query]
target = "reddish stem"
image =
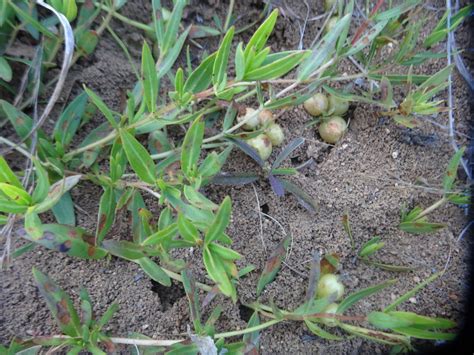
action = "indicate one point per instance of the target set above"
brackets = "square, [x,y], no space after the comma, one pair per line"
[362,27]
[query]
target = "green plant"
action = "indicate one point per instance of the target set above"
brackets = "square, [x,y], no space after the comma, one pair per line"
[173,171]
[415,221]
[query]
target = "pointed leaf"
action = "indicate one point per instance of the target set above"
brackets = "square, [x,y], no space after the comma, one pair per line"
[355,297]
[191,147]
[138,157]
[155,272]
[106,214]
[451,171]
[219,71]
[220,223]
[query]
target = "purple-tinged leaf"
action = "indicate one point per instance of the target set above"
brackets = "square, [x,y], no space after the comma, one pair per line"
[247,149]
[252,340]
[273,264]
[303,198]
[295,143]
[314,275]
[234,179]
[276,185]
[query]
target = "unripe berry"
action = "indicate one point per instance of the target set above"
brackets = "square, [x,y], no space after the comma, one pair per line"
[337,106]
[275,134]
[332,130]
[250,124]
[266,118]
[331,24]
[262,145]
[317,104]
[329,284]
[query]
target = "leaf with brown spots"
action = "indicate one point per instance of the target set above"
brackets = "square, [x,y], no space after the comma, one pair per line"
[106,214]
[59,304]
[273,264]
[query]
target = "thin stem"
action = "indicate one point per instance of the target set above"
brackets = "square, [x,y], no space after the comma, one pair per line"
[16,147]
[229,15]
[430,209]
[248,330]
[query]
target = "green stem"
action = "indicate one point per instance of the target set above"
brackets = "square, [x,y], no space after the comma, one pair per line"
[247,330]
[430,209]
[229,15]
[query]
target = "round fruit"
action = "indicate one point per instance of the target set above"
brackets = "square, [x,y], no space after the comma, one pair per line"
[329,284]
[331,309]
[265,118]
[337,106]
[275,134]
[262,145]
[332,130]
[331,24]
[250,118]
[317,104]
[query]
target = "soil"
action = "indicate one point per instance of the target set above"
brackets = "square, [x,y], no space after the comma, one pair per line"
[370,174]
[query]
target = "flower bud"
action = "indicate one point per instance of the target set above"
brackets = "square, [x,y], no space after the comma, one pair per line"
[275,133]
[262,145]
[329,284]
[331,24]
[337,106]
[317,104]
[328,4]
[332,130]
[250,124]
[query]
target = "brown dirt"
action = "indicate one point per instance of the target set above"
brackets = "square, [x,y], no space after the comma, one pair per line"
[370,174]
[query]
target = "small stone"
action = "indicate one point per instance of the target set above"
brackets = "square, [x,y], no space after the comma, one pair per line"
[395,155]
[145,326]
[393,297]
[416,279]
[412,300]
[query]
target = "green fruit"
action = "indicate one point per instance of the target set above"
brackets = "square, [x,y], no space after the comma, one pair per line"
[275,134]
[317,104]
[332,129]
[337,106]
[266,118]
[331,309]
[262,145]
[250,118]
[328,285]
[331,24]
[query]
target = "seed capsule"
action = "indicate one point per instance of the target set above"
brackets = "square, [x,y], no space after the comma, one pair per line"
[275,134]
[332,130]
[337,106]
[250,124]
[262,145]
[329,284]
[317,105]
[266,118]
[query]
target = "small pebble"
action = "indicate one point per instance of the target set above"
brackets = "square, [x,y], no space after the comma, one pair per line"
[416,279]
[395,155]
[412,300]
[145,326]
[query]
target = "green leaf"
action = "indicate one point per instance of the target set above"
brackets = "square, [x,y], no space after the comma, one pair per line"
[189,284]
[42,182]
[260,37]
[59,304]
[66,239]
[102,107]
[219,70]
[287,150]
[21,122]
[201,77]
[138,157]
[423,322]
[56,191]
[218,274]
[172,25]
[451,171]
[150,78]
[16,194]
[70,120]
[277,68]
[323,51]
[191,147]
[420,226]
[371,247]
[5,69]
[252,340]
[172,55]
[7,175]
[106,214]
[162,235]
[424,334]
[355,297]
[303,198]
[187,230]
[155,272]
[239,63]
[123,249]
[386,321]
[318,331]
[223,252]
[273,264]
[31,21]
[367,38]
[63,210]
[198,200]
[11,207]
[107,316]
[220,223]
